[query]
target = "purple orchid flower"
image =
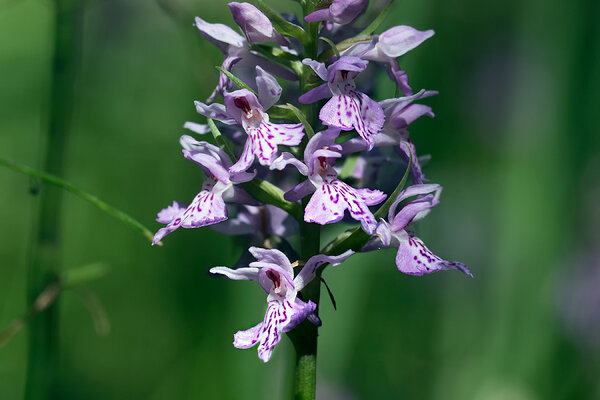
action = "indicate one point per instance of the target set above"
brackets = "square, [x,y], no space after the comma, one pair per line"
[208,207]
[332,197]
[399,113]
[387,47]
[413,257]
[274,273]
[237,50]
[244,108]
[340,12]
[256,26]
[348,108]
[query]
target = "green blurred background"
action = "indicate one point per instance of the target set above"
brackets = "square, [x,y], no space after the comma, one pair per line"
[515,144]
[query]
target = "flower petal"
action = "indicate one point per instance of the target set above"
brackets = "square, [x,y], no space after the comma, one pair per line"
[200,129]
[307,273]
[319,93]
[166,215]
[300,191]
[214,111]
[344,11]
[207,208]
[328,203]
[191,144]
[248,338]
[286,159]
[414,190]
[319,68]
[414,258]
[245,160]
[256,26]
[239,274]
[272,256]
[269,90]
[220,35]
[355,110]
[401,39]
[209,164]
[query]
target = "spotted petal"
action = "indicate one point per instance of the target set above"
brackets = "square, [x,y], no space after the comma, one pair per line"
[354,110]
[330,200]
[166,215]
[281,317]
[207,208]
[414,258]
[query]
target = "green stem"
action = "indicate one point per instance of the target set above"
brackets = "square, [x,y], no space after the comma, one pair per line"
[304,336]
[43,266]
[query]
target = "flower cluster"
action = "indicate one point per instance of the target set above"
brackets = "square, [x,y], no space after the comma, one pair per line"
[255,134]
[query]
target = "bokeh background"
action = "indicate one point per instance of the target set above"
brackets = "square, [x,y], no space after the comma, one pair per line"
[515,144]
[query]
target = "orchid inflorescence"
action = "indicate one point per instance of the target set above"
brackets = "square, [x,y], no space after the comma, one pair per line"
[337,166]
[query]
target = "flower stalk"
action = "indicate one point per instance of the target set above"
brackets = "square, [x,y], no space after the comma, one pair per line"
[340,140]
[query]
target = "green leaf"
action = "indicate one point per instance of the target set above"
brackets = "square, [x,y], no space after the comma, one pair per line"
[282,26]
[378,20]
[310,132]
[239,83]
[118,214]
[333,46]
[282,112]
[349,166]
[221,140]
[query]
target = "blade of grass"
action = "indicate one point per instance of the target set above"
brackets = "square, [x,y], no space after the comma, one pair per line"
[54,180]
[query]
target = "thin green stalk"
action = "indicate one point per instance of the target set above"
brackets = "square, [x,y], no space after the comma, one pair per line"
[54,180]
[43,332]
[304,336]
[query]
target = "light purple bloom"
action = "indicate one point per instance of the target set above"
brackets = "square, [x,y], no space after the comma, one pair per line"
[348,108]
[340,12]
[232,132]
[413,257]
[399,113]
[332,197]
[244,108]
[237,52]
[274,273]
[387,47]
[208,207]
[256,26]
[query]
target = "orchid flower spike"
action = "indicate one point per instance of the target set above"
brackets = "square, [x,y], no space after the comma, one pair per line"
[208,207]
[244,108]
[348,108]
[274,273]
[413,257]
[332,197]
